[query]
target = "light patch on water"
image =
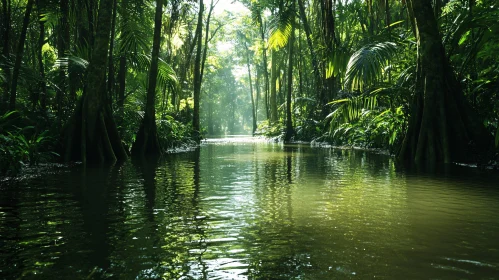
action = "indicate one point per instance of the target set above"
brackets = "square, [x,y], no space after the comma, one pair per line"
[477,263]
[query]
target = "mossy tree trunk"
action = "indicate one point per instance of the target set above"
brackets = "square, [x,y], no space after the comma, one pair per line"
[442,126]
[146,142]
[91,135]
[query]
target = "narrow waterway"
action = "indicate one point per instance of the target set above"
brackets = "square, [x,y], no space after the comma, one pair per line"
[252,210]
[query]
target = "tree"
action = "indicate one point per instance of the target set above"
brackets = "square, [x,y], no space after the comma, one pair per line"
[197,71]
[313,56]
[63,42]
[5,38]
[91,134]
[19,55]
[442,127]
[41,41]
[289,118]
[253,107]
[147,137]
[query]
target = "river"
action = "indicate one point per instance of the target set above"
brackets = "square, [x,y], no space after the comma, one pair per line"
[251,210]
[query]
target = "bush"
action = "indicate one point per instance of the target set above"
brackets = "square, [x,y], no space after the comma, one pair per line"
[22,146]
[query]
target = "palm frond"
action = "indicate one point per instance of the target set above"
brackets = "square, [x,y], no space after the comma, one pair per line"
[350,109]
[139,61]
[72,63]
[281,28]
[133,37]
[167,78]
[337,62]
[365,66]
[256,10]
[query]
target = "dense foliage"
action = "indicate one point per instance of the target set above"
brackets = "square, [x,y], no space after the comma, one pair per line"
[343,72]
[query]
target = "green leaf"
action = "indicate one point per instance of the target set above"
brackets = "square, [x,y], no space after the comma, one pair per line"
[464,37]
[396,23]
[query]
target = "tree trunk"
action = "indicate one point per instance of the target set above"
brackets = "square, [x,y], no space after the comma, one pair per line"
[442,127]
[121,88]
[313,56]
[197,73]
[329,33]
[19,55]
[206,40]
[273,88]
[110,79]
[265,70]
[184,70]
[62,48]
[91,21]
[6,12]
[147,142]
[289,118]
[91,134]
[122,71]
[257,85]
[253,109]
[42,88]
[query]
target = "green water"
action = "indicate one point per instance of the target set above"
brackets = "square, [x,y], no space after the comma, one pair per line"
[251,210]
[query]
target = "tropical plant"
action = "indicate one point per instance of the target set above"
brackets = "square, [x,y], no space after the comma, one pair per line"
[23,146]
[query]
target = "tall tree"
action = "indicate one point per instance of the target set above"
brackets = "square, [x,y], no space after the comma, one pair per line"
[41,93]
[257,14]
[91,134]
[19,55]
[313,55]
[289,118]
[147,141]
[274,72]
[197,70]
[62,49]
[248,64]
[207,37]
[442,126]
[5,38]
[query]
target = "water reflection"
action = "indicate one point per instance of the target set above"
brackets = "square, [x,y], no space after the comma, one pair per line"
[251,211]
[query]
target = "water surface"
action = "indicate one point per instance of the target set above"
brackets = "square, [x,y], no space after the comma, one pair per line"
[252,210]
